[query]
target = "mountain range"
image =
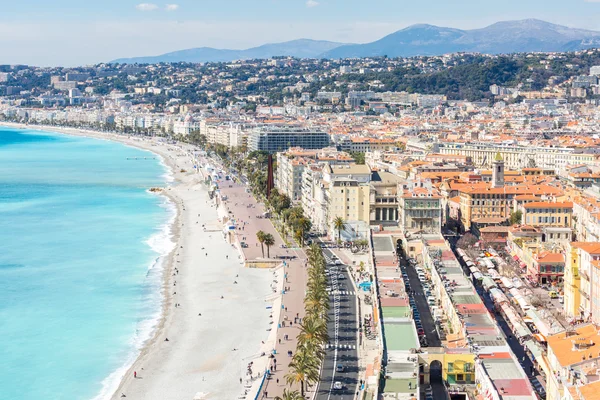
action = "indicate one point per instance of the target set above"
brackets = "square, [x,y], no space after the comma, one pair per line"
[530,35]
[301,48]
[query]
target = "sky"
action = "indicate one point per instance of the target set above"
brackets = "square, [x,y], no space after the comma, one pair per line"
[76,32]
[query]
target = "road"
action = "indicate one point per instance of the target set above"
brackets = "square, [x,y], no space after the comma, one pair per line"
[437,385]
[431,334]
[342,313]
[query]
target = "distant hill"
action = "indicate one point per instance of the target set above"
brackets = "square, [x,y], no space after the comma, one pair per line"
[301,48]
[528,35]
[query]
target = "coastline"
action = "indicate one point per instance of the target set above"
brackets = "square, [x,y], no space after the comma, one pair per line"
[152,353]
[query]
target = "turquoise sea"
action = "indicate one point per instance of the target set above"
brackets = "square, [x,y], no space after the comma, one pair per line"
[80,267]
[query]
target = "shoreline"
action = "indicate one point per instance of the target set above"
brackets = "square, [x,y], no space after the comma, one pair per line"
[149,353]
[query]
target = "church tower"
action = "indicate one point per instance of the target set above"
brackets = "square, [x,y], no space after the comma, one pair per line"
[498,171]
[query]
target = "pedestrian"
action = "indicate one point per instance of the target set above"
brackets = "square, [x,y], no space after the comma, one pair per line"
[135,374]
[240,381]
[277,380]
[279,340]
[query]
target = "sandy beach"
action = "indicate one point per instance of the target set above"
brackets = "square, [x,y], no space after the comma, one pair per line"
[215,311]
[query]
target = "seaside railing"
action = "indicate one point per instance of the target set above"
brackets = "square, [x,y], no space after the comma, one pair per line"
[260,387]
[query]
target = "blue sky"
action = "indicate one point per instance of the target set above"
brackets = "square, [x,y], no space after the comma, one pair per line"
[75,32]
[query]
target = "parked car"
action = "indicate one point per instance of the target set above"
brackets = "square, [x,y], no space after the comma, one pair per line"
[338,385]
[420,332]
[339,368]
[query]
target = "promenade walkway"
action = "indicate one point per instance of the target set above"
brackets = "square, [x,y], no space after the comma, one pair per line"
[245,210]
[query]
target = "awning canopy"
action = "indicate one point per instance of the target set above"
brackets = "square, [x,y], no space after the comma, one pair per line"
[488,283]
[539,337]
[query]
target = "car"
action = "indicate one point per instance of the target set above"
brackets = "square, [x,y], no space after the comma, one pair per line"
[339,368]
[420,332]
[338,385]
[338,262]
[244,245]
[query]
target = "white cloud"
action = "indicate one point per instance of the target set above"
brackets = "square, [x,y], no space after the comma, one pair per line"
[313,3]
[146,7]
[172,7]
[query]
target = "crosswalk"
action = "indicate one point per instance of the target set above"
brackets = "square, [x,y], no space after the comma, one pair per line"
[341,346]
[343,292]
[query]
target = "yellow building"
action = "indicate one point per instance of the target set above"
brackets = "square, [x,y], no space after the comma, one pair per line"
[348,199]
[482,200]
[545,213]
[572,282]
[582,290]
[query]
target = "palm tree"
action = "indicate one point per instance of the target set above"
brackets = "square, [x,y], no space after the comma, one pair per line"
[290,395]
[261,236]
[339,224]
[313,329]
[303,369]
[299,237]
[269,241]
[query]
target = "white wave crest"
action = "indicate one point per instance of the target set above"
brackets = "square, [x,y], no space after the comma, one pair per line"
[162,244]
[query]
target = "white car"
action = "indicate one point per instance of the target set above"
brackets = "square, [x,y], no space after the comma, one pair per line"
[338,385]
[338,262]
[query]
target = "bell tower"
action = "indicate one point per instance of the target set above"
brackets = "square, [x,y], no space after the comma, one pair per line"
[498,171]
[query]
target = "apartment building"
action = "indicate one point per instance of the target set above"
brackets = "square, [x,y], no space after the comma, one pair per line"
[550,214]
[367,144]
[314,197]
[571,364]
[280,138]
[420,208]
[291,164]
[289,175]
[348,194]
[517,156]
[582,281]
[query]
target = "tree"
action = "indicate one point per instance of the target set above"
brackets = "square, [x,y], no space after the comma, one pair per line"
[303,369]
[467,241]
[269,241]
[516,217]
[261,236]
[358,157]
[339,225]
[290,395]
[313,329]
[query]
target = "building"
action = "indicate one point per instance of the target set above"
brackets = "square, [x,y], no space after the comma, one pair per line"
[65,85]
[582,281]
[544,213]
[367,144]
[420,208]
[479,201]
[291,164]
[498,171]
[571,364]
[348,192]
[517,157]
[273,138]
[77,76]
